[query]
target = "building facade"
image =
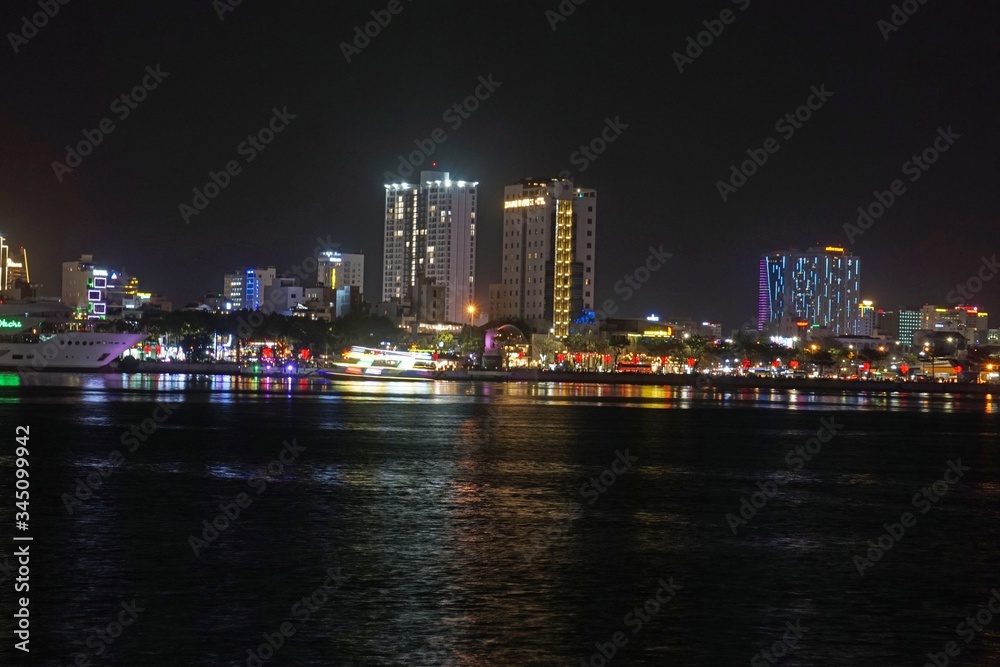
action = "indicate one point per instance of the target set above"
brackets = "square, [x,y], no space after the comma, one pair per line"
[337,270]
[246,289]
[430,234]
[968,321]
[84,288]
[820,285]
[548,255]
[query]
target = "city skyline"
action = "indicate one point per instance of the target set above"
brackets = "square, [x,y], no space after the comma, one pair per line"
[891,177]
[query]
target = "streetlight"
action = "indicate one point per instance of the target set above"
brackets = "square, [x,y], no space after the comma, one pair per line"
[471,310]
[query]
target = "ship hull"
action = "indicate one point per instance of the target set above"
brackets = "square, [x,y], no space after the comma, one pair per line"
[72,351]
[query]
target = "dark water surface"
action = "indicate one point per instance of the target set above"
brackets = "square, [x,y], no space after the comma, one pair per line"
[464,529]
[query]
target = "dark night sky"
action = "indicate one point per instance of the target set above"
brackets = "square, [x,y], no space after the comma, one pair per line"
[656,183]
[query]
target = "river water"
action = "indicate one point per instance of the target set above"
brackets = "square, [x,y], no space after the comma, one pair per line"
[497,524]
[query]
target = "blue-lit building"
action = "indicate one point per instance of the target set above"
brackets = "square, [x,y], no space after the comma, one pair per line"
[821,286]
[245,288]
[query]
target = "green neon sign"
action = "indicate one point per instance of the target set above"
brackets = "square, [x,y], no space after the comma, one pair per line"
[11,324]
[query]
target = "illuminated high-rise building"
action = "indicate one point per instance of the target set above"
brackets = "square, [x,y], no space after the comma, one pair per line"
[548,255]
[821,286]
[867,318]
[338,270]
[246,288]
[430,235]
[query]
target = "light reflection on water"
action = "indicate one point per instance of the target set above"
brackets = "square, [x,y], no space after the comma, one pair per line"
[449,503]
[96,387]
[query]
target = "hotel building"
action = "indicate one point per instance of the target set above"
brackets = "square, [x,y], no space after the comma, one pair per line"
[430,237]
[549,230]
[820,286]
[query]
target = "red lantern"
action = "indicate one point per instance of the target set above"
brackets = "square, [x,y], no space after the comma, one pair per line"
[866,367]
[560,358]
[304,354]
[775,364]
[904,368]
[159,349]
[692,361]
[520,355]
[958,369]
[267,352]
[745,363]
[146,349]
[607,359]
[434,356]
[794,363]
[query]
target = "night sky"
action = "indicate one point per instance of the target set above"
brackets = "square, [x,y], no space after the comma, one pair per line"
[657,182]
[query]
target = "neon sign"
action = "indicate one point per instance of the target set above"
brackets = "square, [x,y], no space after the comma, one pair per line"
[11,324]
[522,203]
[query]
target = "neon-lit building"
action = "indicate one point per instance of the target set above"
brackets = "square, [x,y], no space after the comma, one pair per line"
[867,319]
[430,234]
[246,288]
[84,288]
[820,285]
[549,233]
[12,271]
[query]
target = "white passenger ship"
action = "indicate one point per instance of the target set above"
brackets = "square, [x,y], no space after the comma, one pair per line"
[29,341]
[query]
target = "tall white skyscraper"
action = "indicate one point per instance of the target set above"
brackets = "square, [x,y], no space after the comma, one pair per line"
[549,232]
[430,236]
